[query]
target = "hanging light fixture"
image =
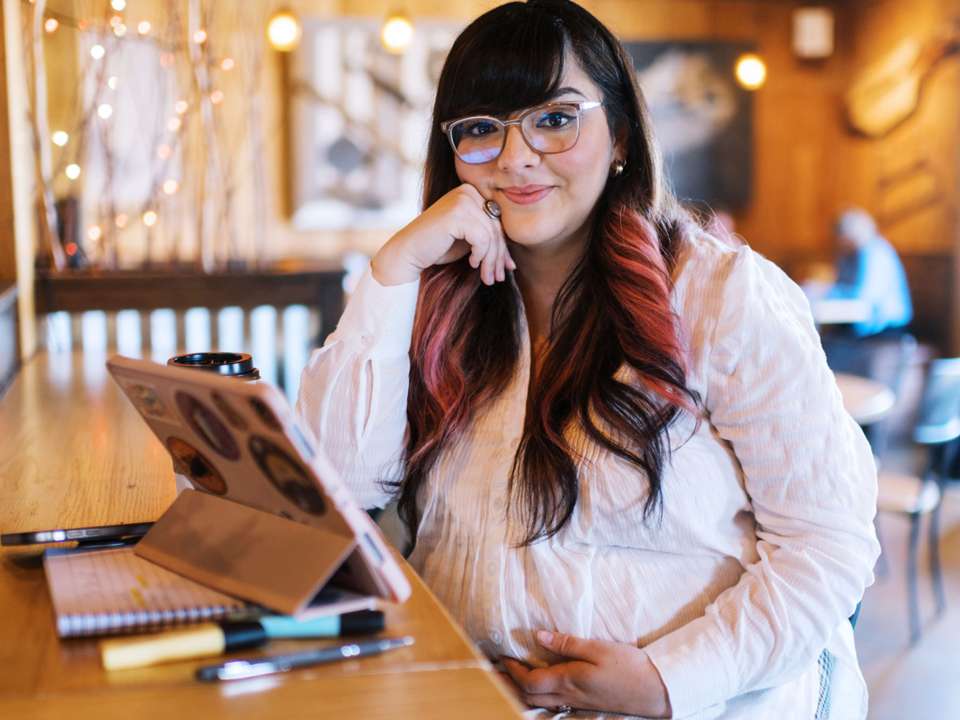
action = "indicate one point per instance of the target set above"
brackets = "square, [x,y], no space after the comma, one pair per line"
[751,71]
[396,33]
[284,31]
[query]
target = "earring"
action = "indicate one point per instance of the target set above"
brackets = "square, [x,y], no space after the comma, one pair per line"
[618,167]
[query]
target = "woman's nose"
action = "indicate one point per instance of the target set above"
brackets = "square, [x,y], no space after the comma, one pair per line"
[516,152]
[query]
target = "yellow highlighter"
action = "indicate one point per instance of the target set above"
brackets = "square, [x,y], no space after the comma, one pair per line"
[211,639]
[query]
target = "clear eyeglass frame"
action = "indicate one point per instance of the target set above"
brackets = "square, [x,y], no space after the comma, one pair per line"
[448,126]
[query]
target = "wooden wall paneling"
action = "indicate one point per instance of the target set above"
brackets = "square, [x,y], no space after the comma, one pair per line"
[17,207]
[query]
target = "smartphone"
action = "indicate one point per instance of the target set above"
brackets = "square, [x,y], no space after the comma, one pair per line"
[118,534]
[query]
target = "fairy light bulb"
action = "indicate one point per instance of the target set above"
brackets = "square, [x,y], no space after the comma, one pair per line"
[173,124]
[60,138]
[164,151]
[170,186]
[149,218]
[51,24]
[397,33]
[112,82]
[143,27]
[283,31]
[121,220]
[97,51]
[751,71]
[216,97]
[181,106]
[94,233]
[72,171]
[105,111]
[227,64]
[118,5]
[200,36]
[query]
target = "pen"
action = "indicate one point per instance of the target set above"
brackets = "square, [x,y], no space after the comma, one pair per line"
[217,638]
[255,667]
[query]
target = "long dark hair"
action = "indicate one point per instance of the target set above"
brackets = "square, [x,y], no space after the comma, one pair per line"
[613,310]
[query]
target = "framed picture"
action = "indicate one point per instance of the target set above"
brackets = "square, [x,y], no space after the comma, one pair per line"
[359,120]
[702,118]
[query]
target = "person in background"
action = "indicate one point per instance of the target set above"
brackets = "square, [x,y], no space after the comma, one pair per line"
[868,269]
[621,457]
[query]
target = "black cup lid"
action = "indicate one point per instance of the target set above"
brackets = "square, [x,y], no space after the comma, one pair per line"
[228,364]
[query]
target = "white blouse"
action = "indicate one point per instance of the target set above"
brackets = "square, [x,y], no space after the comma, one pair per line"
[741,593]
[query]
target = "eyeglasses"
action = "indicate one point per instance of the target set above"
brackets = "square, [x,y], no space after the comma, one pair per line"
[548,129]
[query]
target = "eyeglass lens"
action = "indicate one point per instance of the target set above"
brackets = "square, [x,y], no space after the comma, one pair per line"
[547,130]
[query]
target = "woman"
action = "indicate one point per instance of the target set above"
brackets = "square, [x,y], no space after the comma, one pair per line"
[614,438]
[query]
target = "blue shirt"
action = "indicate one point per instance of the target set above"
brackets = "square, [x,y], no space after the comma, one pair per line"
[874,274]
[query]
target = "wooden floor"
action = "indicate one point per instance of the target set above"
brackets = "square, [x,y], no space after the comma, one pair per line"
[922,681]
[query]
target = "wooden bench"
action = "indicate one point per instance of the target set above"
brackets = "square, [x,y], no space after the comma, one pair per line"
[154,313]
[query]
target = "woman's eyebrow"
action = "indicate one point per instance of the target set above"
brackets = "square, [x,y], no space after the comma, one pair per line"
[565,90]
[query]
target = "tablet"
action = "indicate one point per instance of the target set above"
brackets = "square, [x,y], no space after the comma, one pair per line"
[242,442]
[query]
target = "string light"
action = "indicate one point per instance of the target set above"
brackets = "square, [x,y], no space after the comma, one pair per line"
[181,106]
[227,64]
[200,36]
[94,232]
[60,138]
[149,218]
[164,151]
[97,52]
[121,220]
[170,186]
[284,31]
[51,25]
[115,20]
[118,5]
[397,33]
[112,82]
[105,110]
[751,71]
[173,124]
[72,171]
[216,97]
[143,27]
[120,30]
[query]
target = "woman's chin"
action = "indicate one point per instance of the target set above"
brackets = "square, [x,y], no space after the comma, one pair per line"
[528,234]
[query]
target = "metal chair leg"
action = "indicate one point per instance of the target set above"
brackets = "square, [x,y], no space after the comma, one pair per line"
[912,591]
[936,575]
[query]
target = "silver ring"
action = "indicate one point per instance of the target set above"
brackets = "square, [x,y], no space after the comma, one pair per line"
[492,210]
[564,709]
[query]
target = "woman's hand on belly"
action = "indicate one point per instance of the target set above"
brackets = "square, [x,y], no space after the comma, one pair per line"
[595,675]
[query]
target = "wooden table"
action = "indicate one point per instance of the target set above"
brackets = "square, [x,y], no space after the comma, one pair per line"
[74,453]
[839,311]
[866,400]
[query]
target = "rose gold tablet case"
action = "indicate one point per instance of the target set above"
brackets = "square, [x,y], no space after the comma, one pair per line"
[271,521]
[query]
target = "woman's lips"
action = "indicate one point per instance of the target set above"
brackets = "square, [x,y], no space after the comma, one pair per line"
[527,194]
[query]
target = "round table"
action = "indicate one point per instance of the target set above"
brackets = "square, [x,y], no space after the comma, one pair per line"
[866,400]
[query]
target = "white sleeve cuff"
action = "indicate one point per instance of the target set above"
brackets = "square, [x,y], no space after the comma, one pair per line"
[380,317]
[695,666]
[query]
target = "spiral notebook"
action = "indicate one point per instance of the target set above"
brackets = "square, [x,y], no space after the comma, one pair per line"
[113,591]
[101,592]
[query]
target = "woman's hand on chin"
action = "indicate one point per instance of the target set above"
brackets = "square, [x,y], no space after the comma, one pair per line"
[455,226]
[594,675]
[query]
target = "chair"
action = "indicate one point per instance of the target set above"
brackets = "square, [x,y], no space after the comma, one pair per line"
[884,358]
[937,430]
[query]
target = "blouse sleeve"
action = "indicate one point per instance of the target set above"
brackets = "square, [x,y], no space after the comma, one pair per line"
[353,392]
[811,480]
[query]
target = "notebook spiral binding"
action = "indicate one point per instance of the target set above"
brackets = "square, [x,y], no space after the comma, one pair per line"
[130,622]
